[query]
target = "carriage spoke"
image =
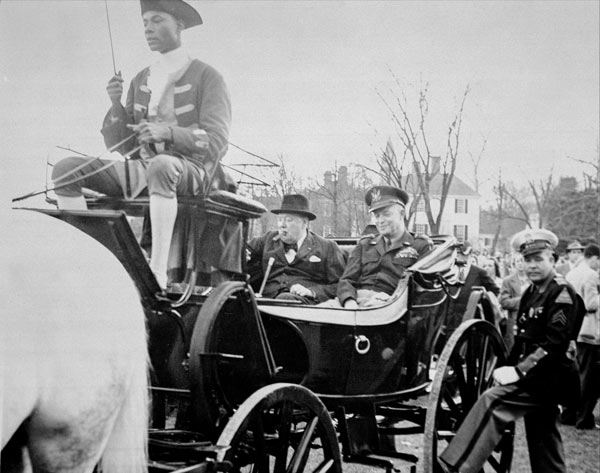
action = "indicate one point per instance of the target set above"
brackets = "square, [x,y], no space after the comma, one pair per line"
[261,462]
[324,466]
[284,438]
[459,373]
[301,454]
[482,365]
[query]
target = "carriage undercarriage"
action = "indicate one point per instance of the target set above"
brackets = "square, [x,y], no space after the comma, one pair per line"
[241,383]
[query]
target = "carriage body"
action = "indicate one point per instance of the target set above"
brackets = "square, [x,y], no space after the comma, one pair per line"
[217,346]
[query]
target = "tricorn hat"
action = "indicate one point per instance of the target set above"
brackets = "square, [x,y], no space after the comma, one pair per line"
[379,197]
[528,242]
[295,204]
[179,9]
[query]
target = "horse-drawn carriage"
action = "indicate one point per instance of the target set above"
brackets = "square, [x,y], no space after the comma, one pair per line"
[242,382]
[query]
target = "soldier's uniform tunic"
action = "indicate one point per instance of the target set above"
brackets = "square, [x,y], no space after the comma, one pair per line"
[546,320]
[372,265]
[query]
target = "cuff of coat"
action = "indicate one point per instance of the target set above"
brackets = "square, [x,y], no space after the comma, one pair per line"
[530,361]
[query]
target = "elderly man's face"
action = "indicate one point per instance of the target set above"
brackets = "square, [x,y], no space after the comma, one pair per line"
[538,266]
[162,31]
[390,221]
[291,227]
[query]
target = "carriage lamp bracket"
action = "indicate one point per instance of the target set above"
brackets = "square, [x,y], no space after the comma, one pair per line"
[362,344]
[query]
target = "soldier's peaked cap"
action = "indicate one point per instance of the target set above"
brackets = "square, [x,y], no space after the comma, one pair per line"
[528,242]
[178,9]
[379,197]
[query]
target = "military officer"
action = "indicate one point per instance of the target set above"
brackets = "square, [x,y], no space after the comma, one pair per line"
[378,262]
[538,374]
[305,266]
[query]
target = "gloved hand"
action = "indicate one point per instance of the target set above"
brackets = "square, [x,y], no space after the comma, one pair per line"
[506,375]
[115,88]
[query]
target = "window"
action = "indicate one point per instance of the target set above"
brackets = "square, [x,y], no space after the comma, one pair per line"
[461,232]
[461,206]
[326,210]
[421,205]
[327,230]
[422,229]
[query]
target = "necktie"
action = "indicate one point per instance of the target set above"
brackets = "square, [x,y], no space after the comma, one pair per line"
[290,246]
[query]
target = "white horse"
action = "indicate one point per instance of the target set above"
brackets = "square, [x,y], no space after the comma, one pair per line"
[73,355]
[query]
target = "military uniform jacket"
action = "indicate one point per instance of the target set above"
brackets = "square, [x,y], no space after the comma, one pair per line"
[373,266]
[547,318]
[318,265]
[201,102]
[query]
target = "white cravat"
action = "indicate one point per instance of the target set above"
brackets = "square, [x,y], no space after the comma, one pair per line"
[160,75]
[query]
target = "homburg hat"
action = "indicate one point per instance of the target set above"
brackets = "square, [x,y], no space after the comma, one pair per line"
[295,204]
[379,197]
[528,242]
[575,245]
[178,9]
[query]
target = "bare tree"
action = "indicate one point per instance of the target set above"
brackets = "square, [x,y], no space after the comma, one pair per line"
[542,194]
[416,152]
[476,161]
[592,181]
[500,191]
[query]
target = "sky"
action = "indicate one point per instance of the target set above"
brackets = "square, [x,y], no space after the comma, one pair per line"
[307,79]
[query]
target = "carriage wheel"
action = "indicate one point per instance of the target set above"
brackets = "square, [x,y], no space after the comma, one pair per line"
[463,373]
[281,428]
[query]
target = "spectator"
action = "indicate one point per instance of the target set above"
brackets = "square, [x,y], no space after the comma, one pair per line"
[584,278]
[470,275]
[510,296]
[574,256]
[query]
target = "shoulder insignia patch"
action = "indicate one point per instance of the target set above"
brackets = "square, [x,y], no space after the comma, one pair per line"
[564,297]
[559,318]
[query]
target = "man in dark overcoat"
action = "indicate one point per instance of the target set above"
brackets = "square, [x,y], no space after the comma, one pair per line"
[538,375]
[297,263]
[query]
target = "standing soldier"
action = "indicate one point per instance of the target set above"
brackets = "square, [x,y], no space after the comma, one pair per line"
[538,376]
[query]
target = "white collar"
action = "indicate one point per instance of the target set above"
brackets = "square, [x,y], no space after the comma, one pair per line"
[301,240]
[172,61]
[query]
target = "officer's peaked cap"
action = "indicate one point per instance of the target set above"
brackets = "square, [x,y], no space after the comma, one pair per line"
[528,242]
[379,197]
[178,9]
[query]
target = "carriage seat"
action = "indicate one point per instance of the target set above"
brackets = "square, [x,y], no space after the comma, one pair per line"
[218,201]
